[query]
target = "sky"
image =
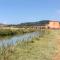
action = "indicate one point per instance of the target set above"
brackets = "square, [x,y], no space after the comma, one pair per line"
[20,11]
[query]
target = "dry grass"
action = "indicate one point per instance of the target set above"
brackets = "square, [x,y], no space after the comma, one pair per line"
[40,48]
[8,32]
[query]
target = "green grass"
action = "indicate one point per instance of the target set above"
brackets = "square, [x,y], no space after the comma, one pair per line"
[39,48]
[8,32]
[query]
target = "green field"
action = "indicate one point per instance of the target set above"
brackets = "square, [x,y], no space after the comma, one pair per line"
[40,48]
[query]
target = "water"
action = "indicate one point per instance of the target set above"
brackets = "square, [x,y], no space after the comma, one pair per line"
[12,40]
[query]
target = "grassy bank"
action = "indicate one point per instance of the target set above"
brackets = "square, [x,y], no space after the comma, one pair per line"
[40,48]
[7,32]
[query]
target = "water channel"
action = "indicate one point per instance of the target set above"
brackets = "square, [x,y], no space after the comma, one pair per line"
[12,40]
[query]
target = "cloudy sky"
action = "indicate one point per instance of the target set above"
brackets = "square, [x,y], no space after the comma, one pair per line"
[19,11]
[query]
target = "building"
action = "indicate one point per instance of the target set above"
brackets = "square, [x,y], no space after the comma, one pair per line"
[54,25]
[48,24]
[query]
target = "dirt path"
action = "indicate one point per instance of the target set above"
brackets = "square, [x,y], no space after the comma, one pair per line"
[56,55]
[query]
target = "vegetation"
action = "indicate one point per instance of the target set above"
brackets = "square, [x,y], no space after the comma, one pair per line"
[6,32]
[40,48]
[43,23]
[38,23]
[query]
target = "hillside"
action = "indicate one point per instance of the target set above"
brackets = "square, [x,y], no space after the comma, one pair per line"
[38,23]
[43,22]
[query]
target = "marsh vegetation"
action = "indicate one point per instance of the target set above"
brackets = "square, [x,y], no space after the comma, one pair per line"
[9,32]
[41,47]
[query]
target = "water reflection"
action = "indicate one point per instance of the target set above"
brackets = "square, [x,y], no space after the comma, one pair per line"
[12,40]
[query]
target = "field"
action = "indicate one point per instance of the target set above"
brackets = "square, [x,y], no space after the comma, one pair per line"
[44,47]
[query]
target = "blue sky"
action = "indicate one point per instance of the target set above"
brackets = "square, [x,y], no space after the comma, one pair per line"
[19,11]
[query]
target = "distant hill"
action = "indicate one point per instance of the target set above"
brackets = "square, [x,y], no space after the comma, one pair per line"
[43,22]
[1,24]
[38,23]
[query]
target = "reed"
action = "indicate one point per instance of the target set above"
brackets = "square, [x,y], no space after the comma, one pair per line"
[39,48]
[7,32]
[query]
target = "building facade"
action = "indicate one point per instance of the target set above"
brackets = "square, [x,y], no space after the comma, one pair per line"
[48,25]
[54,25]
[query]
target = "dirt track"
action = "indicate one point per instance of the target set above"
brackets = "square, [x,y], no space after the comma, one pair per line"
[56,55]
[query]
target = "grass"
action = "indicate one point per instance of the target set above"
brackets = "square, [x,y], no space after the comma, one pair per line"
[8,32]
[40,48]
